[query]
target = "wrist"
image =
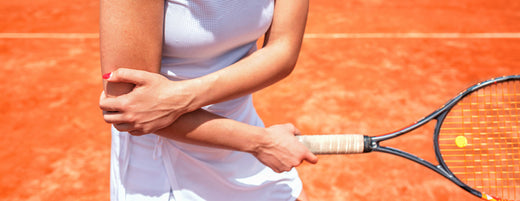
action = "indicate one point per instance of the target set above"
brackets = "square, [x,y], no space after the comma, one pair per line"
[258,141]
[181,96]
[201,91]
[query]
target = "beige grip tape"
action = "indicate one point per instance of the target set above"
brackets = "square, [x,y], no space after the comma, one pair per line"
[333,144]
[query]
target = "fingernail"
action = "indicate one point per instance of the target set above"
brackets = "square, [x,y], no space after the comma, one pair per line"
[107,75]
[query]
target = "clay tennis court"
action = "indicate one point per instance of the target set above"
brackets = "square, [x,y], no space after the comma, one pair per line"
[366,66]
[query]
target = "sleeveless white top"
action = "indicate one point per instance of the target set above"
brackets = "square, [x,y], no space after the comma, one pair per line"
[201,37]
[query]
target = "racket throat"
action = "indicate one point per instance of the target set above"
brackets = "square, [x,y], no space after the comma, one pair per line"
[369,144]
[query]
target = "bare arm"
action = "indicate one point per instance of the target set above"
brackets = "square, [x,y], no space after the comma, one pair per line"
[275,146]
[131,37]
[154,105]
[273,62]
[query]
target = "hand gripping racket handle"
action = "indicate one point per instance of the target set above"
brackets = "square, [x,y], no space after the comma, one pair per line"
[336,144]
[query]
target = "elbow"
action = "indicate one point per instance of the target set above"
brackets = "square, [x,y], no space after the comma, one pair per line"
[285,54]
[287,70]
[289,51]
[289,63]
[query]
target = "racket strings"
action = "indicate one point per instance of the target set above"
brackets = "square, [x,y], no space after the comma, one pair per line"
[480,140]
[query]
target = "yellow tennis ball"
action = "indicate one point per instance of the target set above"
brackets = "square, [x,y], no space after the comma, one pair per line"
[461,141]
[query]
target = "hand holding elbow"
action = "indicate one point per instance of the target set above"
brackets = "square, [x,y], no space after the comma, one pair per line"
[153,103]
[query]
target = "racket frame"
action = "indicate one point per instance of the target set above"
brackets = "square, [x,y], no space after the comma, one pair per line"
[372,143]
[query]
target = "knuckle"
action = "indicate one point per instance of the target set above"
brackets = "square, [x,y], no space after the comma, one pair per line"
[102,104]
[118,72]
[137,127]
[290,127]
[146,130]
[124,104]
[129,117]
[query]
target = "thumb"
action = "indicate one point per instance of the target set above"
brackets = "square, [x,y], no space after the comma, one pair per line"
[127,75]
[311,158]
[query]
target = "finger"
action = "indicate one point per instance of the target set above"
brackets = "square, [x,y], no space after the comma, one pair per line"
[292,129]
[127,75]
[297,131]
[311,158]
[103,95]
[277,170]
[110,104]
[136,132]
[124,127]
[114,117]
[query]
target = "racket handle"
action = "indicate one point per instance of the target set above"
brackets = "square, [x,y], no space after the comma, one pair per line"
[334,144]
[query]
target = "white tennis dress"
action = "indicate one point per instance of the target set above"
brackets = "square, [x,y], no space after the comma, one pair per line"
[201,37]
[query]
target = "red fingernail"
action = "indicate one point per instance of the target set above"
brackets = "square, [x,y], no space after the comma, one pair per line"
[107,75]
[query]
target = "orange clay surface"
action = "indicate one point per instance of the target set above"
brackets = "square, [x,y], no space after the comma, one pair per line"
[55,145]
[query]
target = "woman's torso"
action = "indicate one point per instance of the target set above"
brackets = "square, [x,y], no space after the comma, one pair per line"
[201,37]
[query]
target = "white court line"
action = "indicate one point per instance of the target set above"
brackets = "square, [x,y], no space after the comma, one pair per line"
[307,36]
[49,35]
[409,35]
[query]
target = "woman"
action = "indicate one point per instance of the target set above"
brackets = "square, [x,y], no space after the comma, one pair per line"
[208,143]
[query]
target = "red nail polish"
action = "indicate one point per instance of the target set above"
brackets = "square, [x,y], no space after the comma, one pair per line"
[106,75]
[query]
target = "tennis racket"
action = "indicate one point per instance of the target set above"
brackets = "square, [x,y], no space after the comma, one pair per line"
[476,140]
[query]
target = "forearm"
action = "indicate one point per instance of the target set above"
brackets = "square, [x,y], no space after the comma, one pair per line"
[261,69]
[206,129]
[268,65]
[264,68]
[275,146]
